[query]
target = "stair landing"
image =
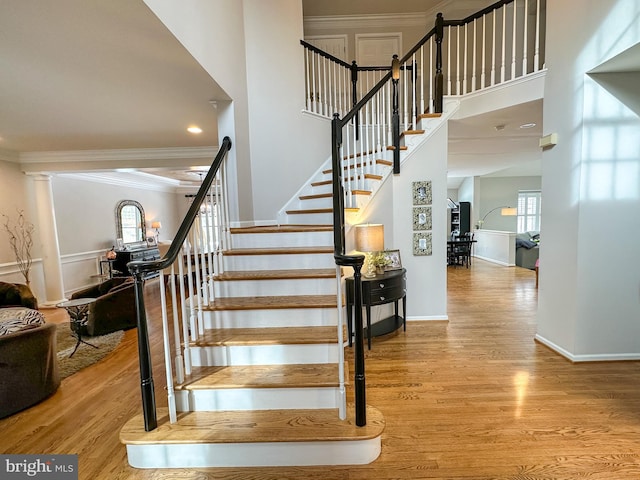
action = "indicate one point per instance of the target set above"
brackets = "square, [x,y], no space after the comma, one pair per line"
[254,438]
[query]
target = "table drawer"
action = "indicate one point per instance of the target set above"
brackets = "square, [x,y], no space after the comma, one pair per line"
[386,295]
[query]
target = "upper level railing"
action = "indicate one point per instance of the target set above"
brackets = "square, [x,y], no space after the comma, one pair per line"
[496,45]
[201,238]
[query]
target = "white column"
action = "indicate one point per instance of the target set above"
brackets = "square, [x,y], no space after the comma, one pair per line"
[51,264]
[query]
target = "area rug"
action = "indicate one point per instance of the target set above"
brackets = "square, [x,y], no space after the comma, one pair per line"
[85,355]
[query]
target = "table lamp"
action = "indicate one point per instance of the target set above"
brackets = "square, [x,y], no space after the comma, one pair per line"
[157,225]
[369,239]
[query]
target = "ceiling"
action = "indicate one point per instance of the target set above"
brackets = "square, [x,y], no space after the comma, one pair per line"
[115,78]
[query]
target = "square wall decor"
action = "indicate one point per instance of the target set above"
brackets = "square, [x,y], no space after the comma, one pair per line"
[422,218]
[422,193]
[422,243]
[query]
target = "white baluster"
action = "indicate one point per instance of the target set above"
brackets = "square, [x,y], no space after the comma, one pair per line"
[513,41]
[503,66]
[536,54]
[493,50]
[173,417]
[458,60]
[183,311]
[449,91]
[525,40]
[484,51]
[473,62]
[466,47]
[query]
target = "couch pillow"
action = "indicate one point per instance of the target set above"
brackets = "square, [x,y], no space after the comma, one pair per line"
[524,243]
[16,319]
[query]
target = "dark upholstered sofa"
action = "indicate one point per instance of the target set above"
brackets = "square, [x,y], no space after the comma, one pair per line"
[114,308]
[527,250]
[17,295]
[28,361]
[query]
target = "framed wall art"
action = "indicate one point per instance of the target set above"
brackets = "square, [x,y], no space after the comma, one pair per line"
[422,243]
[422,193]
[422,218]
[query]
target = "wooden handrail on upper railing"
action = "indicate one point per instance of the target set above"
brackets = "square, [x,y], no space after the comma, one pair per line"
[139,268]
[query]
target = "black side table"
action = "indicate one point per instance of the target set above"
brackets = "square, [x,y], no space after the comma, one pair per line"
[389,287]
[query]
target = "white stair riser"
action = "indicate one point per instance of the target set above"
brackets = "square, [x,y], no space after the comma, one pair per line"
[202,455]
[263,355]
[310,219]
[312,317]
[279,262]
[292,239]
[312,203]
[258,288]
[256,399]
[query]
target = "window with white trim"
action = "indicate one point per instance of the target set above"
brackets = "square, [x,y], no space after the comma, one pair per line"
[529,210]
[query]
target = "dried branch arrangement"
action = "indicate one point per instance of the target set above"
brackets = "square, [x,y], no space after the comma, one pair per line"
[20,235]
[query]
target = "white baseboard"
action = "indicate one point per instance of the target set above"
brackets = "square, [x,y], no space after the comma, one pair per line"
[429,318]
[595,357]
[492,260]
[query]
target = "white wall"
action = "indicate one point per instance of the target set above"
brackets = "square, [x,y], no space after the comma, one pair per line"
[500,191]
[589,271]
[252,49]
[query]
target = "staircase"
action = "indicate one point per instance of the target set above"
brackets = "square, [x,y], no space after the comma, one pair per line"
[265,385]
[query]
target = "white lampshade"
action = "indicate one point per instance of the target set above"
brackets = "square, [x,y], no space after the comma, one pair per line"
[509,212]
[156,224]
[369,237]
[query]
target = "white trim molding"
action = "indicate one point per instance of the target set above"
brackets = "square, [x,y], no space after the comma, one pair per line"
[595,357]
[341,22]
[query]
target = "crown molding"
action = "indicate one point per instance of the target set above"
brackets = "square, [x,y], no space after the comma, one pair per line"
[398,20]
[133,154]
[9,156]
[145,182]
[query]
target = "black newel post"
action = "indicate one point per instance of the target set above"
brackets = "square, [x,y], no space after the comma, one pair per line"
[354,94]
[359,380]
[395,119]
[144,357]
[439,80]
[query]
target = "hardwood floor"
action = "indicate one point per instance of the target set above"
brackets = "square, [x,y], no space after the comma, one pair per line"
[473,398]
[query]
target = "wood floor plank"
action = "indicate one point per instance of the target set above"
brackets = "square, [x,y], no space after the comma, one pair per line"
[474,398]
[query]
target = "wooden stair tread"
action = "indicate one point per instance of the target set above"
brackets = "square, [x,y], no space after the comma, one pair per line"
[311,210]
[262,376]
[402,147]
[272,302]
[412,132]
[276,274]
[268,336]
[429,115]
[360,165]
[253,426]
[278,251]
[282,229]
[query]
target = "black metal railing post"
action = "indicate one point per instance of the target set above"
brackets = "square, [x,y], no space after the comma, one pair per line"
[395,119]
[144,358]
[360,386]
[359,377]
[354,95]
[439,78]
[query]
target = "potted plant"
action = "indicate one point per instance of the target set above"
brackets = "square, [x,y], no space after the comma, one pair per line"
[380,260]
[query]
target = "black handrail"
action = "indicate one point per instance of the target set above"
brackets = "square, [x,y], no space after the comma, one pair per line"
[139,268]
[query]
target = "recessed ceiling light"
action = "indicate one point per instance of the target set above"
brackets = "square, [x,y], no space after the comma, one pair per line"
[527,125]
[194,129]
[499,127]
